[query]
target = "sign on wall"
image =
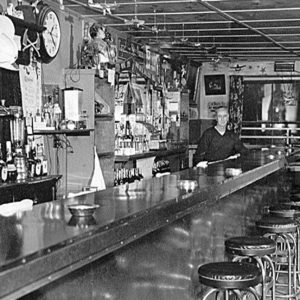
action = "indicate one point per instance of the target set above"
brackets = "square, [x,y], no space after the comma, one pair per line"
[214,84]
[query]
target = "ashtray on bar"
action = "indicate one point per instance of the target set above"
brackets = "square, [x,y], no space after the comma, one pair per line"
[188,185]
[83,210]
[81,222]
[233,172]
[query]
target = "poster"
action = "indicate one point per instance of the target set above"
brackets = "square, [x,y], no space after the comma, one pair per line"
[31,88]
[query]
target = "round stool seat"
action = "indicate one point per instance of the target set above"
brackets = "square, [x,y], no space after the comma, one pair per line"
[274,224]
[295,205]
[283,211]
[229,275]
[250,246]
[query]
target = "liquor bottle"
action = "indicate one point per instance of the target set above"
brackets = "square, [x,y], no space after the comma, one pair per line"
[145,144]
[38,116]
[3,167]
[135,175]
[154,169]
[29,123]
[140,176]
[130,176]
[115,177]
[125,175]
[122,176]
[44,161]
[2,162]
[38,167]
[83,121]
[20,162]
[56,115]
[128,134]
[48,112]
[38,161]
[30,161]
[11,168]
[118,176]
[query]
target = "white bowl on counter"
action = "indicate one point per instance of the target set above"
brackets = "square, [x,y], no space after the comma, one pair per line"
[231,172]
[82,210]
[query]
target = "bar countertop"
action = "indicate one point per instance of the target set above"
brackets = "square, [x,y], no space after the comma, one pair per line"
[42,245]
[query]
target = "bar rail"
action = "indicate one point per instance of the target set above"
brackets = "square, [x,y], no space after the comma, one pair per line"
[267,132]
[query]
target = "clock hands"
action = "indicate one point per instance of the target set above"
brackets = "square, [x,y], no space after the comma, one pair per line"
[52,35]
[53,41]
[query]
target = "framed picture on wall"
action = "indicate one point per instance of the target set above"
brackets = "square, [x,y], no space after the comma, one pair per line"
[214,84]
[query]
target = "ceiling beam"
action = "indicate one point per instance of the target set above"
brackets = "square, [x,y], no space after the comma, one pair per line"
[203,12]
[222,36]
[219,29]
[208,22]
[229,17]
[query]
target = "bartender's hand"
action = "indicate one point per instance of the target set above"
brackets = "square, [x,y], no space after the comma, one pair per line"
[235,156]
[202,164]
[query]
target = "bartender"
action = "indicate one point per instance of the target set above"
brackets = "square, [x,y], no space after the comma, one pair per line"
[217,142]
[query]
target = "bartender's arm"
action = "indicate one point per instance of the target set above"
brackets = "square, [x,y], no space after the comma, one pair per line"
[199,155]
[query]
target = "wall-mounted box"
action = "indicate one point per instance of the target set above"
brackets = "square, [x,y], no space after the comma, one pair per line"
[73,103]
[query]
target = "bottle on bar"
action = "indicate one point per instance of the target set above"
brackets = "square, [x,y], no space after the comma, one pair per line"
[115,177]
[2,162]
[30,161]
[38,162]
[20,163]
[125,179]
[11,168]
[3,167]
[128,139]
[121,173]
[140,175]
[44,162]
[130,176]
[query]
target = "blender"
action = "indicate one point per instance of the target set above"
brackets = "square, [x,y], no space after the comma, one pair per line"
[17,134]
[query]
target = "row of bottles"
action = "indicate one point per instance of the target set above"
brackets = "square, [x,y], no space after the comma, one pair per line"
[128,144]
[160,166]
[122,175]
[50,117]
[37,162]
[17,166]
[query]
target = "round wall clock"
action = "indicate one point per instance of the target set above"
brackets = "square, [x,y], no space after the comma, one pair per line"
[51,36]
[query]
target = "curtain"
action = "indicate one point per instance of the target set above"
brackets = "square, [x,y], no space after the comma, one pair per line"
[236,98]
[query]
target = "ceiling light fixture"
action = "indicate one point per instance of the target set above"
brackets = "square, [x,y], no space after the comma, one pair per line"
[135,21]
[105,7]
[154,27]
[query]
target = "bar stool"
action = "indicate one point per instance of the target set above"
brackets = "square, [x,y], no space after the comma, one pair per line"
[229,278]
[284,211]
[292,212]
[284,232]
[256,249]
[295,205]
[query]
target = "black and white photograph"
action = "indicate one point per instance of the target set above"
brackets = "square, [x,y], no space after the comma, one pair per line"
[149,150]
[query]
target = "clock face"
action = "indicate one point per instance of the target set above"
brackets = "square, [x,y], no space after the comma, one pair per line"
[51,35]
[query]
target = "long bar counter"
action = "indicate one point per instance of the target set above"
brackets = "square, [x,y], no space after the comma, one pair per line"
[40,246]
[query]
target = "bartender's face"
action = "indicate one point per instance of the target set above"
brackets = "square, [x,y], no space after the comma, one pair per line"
[222,117]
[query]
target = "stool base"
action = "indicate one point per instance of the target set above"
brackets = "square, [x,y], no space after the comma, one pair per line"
[226,294]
